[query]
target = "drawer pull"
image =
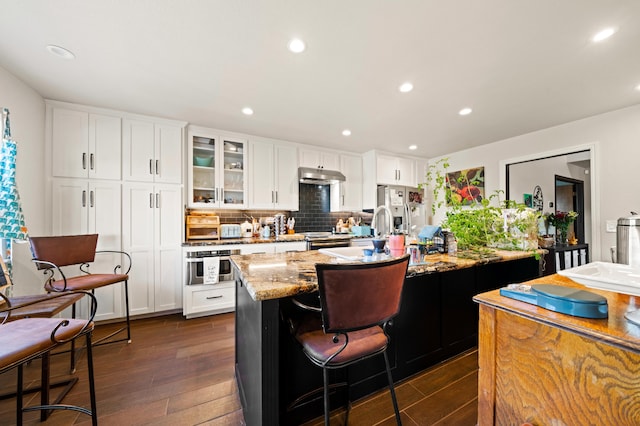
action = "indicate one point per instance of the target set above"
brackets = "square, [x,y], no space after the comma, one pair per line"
[214,297]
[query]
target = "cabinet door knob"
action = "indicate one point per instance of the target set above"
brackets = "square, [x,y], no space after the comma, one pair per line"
[150,166]
[150,200]
[91,165]
[84,161]
[157,200]
[91,198]
[157,167]
[84,198]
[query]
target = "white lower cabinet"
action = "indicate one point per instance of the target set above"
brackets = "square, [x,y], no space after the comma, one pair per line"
[211,299]
[152,235]
[85,206]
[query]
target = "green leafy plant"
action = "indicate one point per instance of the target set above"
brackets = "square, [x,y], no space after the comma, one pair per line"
[487,223]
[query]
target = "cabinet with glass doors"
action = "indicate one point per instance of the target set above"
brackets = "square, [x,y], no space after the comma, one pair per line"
[217,172]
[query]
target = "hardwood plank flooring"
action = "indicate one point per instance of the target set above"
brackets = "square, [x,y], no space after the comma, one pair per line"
[181,372]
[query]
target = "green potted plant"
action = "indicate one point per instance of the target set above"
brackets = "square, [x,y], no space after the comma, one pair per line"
[487,223]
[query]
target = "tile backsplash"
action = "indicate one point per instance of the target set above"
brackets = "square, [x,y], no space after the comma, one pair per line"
[314,214]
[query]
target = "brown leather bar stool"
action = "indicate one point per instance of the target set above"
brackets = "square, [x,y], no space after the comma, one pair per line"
[26,339]
[357,301]
[53,253]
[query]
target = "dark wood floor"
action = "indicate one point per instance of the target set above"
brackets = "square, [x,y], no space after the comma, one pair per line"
[180,372]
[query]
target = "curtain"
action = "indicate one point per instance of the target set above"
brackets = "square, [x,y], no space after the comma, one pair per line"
[12,226]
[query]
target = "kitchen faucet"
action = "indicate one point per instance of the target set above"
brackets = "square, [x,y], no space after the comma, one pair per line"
[375,219]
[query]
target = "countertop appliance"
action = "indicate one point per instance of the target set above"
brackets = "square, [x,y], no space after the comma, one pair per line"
[406,206]
[318,240]
[230,231]
[628,240]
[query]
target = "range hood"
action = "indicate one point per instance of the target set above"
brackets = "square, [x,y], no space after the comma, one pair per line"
[319,176]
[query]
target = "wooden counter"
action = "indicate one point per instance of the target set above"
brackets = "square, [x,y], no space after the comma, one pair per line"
[546,368]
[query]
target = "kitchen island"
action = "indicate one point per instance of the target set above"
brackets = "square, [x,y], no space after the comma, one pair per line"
[438,319]
[543,367]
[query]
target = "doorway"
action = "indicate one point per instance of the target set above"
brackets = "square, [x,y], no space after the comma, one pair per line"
[522,175]
[569,196]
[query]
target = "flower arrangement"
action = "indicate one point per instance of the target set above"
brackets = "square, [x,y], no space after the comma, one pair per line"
[561,221]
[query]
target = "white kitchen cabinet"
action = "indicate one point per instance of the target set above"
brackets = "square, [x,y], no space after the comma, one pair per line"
[396,171]
[347,195]
[385,169]
[152,151]
[217,172]
[83,144]
[319,159]
[82,206]
[152,235]
[273,176]
[200,300]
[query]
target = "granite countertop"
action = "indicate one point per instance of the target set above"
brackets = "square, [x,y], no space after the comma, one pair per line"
[272,276]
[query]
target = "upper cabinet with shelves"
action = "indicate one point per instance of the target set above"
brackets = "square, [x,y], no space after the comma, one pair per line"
[84,144]
[216,169]
[318,159]
[152,151]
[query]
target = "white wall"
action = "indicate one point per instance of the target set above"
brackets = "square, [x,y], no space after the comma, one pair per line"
[27,114]
[615,137]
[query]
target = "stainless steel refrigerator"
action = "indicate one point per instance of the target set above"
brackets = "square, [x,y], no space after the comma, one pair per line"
[406,205]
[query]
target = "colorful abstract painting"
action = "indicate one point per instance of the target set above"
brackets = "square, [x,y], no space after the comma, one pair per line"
[466,187]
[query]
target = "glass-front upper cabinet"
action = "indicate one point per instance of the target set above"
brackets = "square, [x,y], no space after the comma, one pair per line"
[217,172]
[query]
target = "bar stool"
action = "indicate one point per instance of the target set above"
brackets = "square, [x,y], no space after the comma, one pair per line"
[26,339]
[52,253]
[357,302]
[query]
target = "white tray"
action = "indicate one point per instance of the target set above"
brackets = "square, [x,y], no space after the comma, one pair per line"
[616,277]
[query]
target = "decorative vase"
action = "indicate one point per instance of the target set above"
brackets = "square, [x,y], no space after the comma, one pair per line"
[562,237]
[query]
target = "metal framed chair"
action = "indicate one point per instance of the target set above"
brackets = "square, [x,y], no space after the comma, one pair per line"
[357,302]
[51,254]
[25,339]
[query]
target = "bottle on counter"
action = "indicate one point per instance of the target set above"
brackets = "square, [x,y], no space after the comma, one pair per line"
[452,244]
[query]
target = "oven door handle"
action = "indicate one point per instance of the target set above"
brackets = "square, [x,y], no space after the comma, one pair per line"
[199,259]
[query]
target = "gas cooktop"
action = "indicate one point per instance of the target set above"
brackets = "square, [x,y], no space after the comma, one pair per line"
[310,236]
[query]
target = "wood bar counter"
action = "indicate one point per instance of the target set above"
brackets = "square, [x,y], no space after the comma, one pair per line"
[547,368]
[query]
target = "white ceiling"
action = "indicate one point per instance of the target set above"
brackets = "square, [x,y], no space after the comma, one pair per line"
[522,65]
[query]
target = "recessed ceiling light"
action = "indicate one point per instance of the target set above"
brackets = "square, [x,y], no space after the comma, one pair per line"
[413,147]
[465,111]
[603,35]
[346,132]
[296,45]
[247,111]
[406,87]
[60,52]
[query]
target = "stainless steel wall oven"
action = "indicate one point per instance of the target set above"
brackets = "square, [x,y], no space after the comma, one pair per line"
[195,265]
